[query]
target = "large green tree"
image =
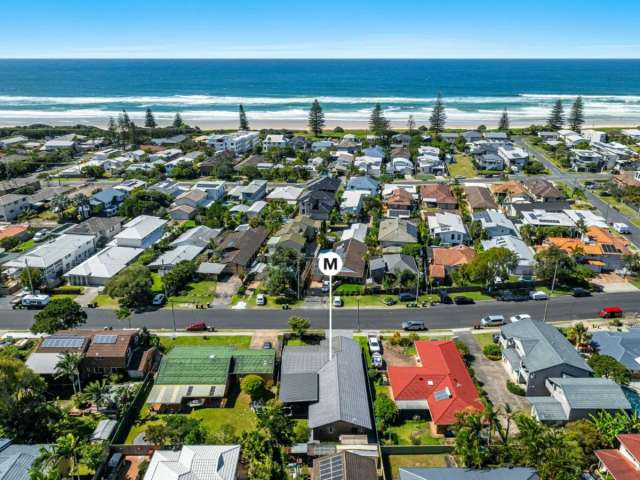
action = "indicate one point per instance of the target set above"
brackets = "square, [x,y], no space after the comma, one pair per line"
[144,202]
[316,118]
[132,287]
[378,123]
[179,277]
[68,366]
[576,115]
[59,314]
[283,270]
[490,265]
[608,367]
[31,278]
[438,117]
[149,119]
[503,124]
[552,261]
[244,122]
[556,117]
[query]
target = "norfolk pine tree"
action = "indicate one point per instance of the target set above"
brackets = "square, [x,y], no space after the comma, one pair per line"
[316,118]
[378,123]
[504,121]
[576,116]
[149,119]
[244,123]
[438,116]
[177,121]
[556,118]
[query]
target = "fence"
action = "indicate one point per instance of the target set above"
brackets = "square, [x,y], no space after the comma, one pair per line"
[130,415]
[415,449]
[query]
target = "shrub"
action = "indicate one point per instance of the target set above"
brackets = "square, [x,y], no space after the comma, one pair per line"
[252,385]
[515,388]
[395,338]
[492,352]
[385,409]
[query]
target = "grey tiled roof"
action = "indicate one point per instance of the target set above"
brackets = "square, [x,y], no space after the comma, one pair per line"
[623,346]
[342,389]
[548,409]
[592,393]
[544,345]
[520,473]
[299,387]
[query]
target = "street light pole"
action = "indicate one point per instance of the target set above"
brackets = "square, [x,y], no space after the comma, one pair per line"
[553,285]
[358,313]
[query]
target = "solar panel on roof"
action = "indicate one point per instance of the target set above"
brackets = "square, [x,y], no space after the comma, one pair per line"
[331,469]
[105,339]
[442,394]
[63,342]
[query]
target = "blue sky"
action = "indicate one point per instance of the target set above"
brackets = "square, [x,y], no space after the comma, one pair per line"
[326,29]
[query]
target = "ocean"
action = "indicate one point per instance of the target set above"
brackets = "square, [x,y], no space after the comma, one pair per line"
[279,92]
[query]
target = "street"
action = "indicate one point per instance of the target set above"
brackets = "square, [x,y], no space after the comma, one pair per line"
[441,316]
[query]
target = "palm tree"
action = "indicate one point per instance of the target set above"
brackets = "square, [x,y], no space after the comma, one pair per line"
[98,392]
[580,333]
[581,226]
[61,457]
[69,366]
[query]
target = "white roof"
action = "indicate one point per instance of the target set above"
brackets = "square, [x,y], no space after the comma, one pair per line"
[195,462]
[274,138]
[43,363]
[590,218]
[177,255]
[257,207]
[49,253]
[356,231]
[140,227]
[442,222]
[285,193]
[542,217]
[514,244]
[352,198]
[106,263]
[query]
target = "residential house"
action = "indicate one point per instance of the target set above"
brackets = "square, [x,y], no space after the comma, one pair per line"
[544,218]
[444,260]
[182,212]
[594,135]
[168,187]
[175,140]
[368,165]
[352,201]
[396,232]
[195,198]
[363,183]
[19,232]
[357,231]
[627,179]
[17,460]
[586,160]
[254,191]
[344,465]
[534,351]
[399,204]
[331,391]
[526,259]
[431,165]
[10,186]
[448,227]
[56,257]
[12,205]
[288,193]
[395,264]
[623,463]
[495,223]
[578,398]
[201,236]
[213,189]
[13,141]
[59,144]
[588,217]
[499,137]
[515,210]
[450,138]
[514,157]
[500,473]
[542,190]
[489,161]
[320,145]
[438,195]
[96,271]
[108,352]
[141,232]
[472,136]
[237,250]
[109,198]
[624,346]
[195,462]
[441,385]
[317,204]
[256,208]
[204,373]
[402,166]
[549,136]
[293,235]
[509,192]
[479,198]
[129,186]
[570,138]
[274,141]
[376,151]
[169,259]
[354,266]
[347,145]
[239,142]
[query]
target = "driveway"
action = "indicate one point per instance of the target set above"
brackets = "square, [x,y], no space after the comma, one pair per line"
[614,283]
[225,290]
[261,336]
[493,377]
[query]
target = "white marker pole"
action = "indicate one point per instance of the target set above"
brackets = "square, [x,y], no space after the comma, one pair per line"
[330,264]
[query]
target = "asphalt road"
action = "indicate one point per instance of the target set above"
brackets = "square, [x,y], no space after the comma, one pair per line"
[440,316]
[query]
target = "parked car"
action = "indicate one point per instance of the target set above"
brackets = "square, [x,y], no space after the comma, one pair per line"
[198,327]
[40,235]
[30,301]
[337,302]
[462,300]
[444,297]
[267,346]
[413,325]
[388,301]
[622,228]
[492,321]
[374,344]
[325,286]
[407,297]
[376,360]
[538,295]
[611,312]
[581,292]
[520,317]
[261,299]
[512,296]
[158,299]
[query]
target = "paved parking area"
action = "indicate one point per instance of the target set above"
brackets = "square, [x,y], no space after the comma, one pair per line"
[493,376]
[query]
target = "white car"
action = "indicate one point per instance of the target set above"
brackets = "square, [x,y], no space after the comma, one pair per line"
[492,321]
[40,235]
[374,344]
[376,360]
[622,228]
[538,295]
[337,301]
[261,299]
[158,299]
[517,318]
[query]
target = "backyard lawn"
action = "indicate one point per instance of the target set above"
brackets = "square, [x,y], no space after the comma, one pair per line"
[463,167]
[483,339]
[420,430]
[395,462]
[242,341]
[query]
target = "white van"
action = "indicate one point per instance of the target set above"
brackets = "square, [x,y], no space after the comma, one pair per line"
[622,228]
[492,321]
[35,301]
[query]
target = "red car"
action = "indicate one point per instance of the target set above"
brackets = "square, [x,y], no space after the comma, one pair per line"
[611,312]
[197,327]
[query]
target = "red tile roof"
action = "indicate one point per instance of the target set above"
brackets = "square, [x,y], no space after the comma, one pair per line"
[618,466]
[631,442]
[442,371]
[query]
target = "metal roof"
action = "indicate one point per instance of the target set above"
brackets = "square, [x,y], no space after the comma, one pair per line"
[504,473]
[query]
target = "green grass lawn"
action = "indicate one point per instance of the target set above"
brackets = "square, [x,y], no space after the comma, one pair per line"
[634,281]
[483,339]
[196,293]
[242,341]
[157,286]
[409,427]
[272,301]
[623,208]
[348,288]
[463,166]
[24,246]
[105,301]
[240,417]
[557,291]
[395,462]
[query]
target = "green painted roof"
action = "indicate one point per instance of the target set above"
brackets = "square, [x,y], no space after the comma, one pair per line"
[203,365]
